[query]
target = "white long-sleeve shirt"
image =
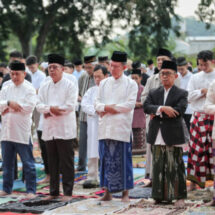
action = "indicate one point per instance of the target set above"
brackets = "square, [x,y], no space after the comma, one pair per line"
[209,106]
[184,80]
[37,78]
[64,95]
[16,126]
[87,105]
[197,82]
[123,93]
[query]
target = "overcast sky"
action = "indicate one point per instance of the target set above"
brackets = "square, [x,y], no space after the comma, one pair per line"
[187,7]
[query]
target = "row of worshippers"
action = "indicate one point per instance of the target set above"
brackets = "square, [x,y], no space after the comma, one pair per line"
[56,101]
[112,109]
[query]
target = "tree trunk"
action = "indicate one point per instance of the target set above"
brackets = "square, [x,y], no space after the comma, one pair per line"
[25,44]
[42,36]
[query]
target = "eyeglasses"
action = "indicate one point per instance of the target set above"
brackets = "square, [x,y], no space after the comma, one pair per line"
[166,73]
[53,67]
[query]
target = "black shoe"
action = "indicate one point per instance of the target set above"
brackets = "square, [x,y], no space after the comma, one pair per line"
[91,184]
[80,169]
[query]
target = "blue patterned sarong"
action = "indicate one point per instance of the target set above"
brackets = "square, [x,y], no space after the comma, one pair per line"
[116,171]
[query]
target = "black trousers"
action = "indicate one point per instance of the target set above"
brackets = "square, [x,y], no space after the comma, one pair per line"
[43,151]
[61,159]
[187,118]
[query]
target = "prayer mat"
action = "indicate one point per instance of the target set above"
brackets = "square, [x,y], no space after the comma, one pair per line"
[204,195]
[137,192]
[10,213]
[36,205]
[90,207]
[147,207]
[7,199]
[201,210]
[80,191]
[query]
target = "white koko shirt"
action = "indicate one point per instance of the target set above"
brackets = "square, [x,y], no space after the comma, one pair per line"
[16,126]
[197,82]
[64,95]
[123,93]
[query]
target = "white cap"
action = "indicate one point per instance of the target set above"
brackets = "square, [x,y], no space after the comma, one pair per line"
[44,65]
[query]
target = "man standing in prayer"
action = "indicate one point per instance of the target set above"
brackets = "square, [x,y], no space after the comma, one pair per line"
[87,104]
[78,70]
[115,104]
[185,75]
[85,82]
[17,102]
[154,82]
[57,101]
[166,106]
[200,157]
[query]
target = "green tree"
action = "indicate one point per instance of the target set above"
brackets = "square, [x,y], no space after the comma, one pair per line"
[206,11]
[67,25]
[153,27]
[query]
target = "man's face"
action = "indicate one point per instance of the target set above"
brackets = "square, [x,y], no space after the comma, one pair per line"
[4,70]
[116,69]
[182,69]
[55,71]
[105,64]
[136,78]
[98,76]
[78,68]
[151,66]
[168,77]
[89,67]
[33,67]
[68,70]
[17,76]
[206,66]
[160,60]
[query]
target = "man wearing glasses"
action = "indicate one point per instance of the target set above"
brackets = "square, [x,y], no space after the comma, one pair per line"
[166,106]
[57,101]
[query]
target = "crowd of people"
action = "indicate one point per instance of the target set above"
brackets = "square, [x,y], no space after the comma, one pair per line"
[113,108]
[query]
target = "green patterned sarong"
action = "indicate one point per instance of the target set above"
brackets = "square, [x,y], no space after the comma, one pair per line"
[169,179]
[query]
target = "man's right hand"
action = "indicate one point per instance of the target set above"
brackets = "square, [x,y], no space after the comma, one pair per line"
[169,111]
[15,106]
[204,91]
[56,110]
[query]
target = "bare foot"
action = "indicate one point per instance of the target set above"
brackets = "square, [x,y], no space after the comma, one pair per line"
[125,197]
[156,202]
[3,193]
[211,203]
[149,184]
[66,198]
[191,187]
[180,203]
[107,197]
[31,196]
[48,198]
[45,180]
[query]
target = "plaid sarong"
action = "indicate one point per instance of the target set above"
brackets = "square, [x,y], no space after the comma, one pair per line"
[200,158]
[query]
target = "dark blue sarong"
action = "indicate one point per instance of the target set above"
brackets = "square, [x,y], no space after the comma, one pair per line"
[116,171]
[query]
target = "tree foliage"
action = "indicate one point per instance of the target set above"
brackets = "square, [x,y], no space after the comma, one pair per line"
[206,11]
[67,25]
